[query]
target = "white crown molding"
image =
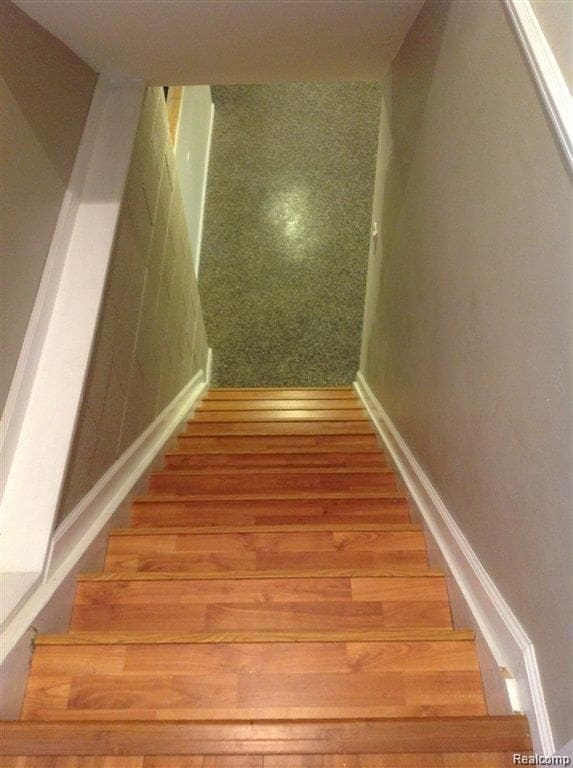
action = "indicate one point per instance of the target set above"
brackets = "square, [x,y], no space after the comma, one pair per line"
[546,72]
[87,520]
[506,638]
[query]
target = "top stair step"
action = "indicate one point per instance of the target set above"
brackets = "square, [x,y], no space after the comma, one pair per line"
[309,393]
[346,403]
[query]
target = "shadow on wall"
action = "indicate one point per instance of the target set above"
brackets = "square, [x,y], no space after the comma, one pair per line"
[409,93]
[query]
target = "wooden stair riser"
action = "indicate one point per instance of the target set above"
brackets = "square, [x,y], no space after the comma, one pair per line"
[256,460]
[268,512]
[295,680]
[262,604]
[250,551]
[260,482]
[272,443]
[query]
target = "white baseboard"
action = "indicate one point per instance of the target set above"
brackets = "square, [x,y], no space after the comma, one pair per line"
[209,367]
[204,190]
[506,638]
[81,528]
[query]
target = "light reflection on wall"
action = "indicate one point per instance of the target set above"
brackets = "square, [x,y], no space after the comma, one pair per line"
[289,213]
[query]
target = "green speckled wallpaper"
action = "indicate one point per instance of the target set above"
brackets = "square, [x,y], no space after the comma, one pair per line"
[286,232]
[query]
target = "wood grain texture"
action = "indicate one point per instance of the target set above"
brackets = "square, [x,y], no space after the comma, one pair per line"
[390,736]
[294,681]
[299,458]
[308,427]
[179,511]
[367,574]
[300,528]
[271,598]
[322,415]
[257,636]
[272,443]
[270,480]
[280,404]
[273,550]
[420,760]
[229,604]
[250,496]
[427,760]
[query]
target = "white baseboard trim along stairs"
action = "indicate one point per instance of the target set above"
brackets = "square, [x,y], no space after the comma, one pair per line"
[79,542]
[508,641]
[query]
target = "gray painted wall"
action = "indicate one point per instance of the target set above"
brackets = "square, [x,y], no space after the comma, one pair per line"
[151,337]
[467,336]
[45,97]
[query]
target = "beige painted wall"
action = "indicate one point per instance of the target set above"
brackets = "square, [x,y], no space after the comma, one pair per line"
[46,92]
[192,157]
[468,325]
[151,338]
[556,20]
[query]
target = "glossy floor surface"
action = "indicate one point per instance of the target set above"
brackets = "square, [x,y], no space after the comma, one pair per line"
[286,238]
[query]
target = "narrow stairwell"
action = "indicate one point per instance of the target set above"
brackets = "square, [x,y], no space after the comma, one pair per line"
[270,606]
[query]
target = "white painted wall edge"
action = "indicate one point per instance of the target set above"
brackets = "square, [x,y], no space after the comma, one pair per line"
[52,405]
[86,521]
[209,366]
[508,641]
[204,190]
[16,403]
[546,71]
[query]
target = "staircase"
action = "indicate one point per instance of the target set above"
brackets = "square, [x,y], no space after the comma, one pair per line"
[270,606]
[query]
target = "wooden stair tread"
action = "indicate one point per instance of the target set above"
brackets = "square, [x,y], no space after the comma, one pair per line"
[181,511]
[303,528]
[393,736]
[286,471]
[267,443]
[326,573]
[302,427]
[247,459]
[422,635]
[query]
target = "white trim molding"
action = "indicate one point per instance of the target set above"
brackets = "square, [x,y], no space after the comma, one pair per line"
[546,71]
[506,638]
[16,403]
[46,397]
[204,190]
[89,518]
[209,366]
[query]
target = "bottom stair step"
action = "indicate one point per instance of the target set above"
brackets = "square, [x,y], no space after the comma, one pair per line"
[318,737]
[419,760]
